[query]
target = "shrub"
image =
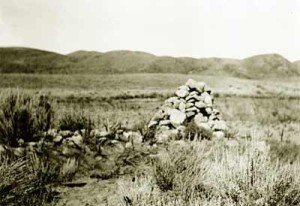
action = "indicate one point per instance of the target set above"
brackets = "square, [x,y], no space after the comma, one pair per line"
[23,118]
[75,121]
[249,177]
[164,175]
[26,182]
[221,176]
[192,131]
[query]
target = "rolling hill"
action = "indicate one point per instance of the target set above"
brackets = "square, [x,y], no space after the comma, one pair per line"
[27,60]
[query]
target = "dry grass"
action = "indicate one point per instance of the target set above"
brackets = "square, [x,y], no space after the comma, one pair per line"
[222,175]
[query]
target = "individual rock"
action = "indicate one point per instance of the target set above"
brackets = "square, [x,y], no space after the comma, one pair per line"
[189,105]
[182,93]
[152,123]
[158,115]
[191,100]
[66,133]
[207,99]
[165,122]
[58,139]
[192,109]
[77,140]
[172,100]
[125,137]
[176,104]
[177,117]
[219,126]
[218,135]
[198,86]
[136,138]
[200,105]
[182,107]
[216,112]
[190,114]
[208,110]
[52,132]
[199,118]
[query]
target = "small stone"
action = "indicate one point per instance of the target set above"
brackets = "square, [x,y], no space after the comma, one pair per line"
[52,132]
[207,99]
[65,133]
[199,118]
[200,105]
[190,114]
[219,126]
[188,105]
[208,110]
[192,100]
[77,140]
[58,139]
[152,123]
[198,98]
[192,109]
[165,122]
[218,135]
[176,104]
[172,99]
[181,93]
[164,127]
[216,112]
[177,117]
[182,107]
[158,115]
[198,86]
[136,138]
[194,93]
[128,145]
[125,136]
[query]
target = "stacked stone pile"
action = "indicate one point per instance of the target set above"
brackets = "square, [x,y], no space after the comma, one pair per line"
[191,102]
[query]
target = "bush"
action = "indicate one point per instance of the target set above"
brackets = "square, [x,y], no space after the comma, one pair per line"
[164,175]
[192,131]
[212,174]
[75,121]
[23,118]
[26,182]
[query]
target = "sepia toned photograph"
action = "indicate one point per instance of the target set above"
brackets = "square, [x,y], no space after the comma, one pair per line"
[149,103]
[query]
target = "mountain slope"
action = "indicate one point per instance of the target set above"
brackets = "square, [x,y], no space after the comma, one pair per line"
[25,60]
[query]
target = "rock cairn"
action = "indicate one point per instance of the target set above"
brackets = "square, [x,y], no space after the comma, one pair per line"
[191,102]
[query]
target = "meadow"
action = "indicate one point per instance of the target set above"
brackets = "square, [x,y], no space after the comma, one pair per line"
[261,110]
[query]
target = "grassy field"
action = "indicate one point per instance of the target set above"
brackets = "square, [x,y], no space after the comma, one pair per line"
[131,98]
[254,109]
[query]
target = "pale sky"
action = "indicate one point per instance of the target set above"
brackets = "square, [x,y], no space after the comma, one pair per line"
[196,28]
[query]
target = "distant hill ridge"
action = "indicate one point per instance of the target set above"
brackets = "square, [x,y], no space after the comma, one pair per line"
[27,60]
